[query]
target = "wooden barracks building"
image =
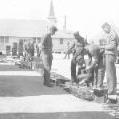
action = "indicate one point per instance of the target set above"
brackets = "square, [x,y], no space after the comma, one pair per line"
[13,31]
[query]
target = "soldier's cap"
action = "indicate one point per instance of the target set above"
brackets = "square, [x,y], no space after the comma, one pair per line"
[76,33]
[54,28]
[105,24]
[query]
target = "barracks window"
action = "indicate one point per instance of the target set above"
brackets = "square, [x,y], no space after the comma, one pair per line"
[61,40]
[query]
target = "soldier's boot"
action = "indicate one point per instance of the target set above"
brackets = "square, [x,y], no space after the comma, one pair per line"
[48,84]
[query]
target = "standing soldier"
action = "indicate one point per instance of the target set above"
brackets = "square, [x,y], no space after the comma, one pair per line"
[46,45]
[78,51]
[26,48]
[67,53]
[110,58]
[39,49]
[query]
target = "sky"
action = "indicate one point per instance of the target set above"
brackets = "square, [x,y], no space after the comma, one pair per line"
[86,16]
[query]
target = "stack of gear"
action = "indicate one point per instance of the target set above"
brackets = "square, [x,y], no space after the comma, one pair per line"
[82,92]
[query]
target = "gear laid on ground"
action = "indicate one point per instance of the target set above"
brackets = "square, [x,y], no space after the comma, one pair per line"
[82,92]
[112,109]
[58,79]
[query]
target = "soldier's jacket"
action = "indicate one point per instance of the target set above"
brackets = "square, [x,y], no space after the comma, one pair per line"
[46,42]
[77,47]
[111,44]
[94,54]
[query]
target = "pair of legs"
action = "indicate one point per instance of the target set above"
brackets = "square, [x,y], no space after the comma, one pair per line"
[47,62]
[111,74]
[99,73]
[73,68]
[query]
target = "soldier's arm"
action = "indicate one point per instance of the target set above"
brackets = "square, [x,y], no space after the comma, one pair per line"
[113,42]
[71,47]
[94,61]
[43,41]
[83,42]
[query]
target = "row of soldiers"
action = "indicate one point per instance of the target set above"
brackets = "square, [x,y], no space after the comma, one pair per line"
[100,59]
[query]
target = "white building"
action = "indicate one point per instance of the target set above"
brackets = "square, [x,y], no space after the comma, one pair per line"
[13,30]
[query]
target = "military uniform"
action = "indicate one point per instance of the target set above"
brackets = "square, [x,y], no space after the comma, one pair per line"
[96,58]
[85,76]
[77,48]
[110,58]
[47,57]
[67,53]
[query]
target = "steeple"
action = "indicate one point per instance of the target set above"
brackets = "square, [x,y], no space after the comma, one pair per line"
[51,13]
[51,17]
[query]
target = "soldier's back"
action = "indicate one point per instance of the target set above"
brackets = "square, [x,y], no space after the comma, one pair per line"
[94,50]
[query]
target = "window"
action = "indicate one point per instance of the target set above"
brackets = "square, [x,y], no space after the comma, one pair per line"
[1,39]
[6,39]
[61,40]
[39,40]
[34,40]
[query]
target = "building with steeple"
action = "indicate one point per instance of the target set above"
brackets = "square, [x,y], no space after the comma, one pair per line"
[51,18]
[13,31]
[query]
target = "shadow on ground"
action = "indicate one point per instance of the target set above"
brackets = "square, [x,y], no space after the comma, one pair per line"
[63,115]
[16,86]
[12,68]
[26,86]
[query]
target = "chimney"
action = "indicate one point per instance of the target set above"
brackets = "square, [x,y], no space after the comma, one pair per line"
[64,26]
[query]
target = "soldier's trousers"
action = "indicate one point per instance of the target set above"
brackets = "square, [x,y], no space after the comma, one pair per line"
[111,74]
[99,73]
[47,62]
[73,70]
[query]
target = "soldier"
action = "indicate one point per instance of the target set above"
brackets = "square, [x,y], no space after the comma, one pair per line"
[110,58]
[26,48]
[67,53]
[46,45]
[77,49]
[96,63]
[84,76]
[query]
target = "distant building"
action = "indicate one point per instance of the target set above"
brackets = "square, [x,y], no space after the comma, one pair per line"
[60,40]
[12,31]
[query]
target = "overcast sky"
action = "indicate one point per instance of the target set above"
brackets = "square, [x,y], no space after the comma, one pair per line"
[84,15]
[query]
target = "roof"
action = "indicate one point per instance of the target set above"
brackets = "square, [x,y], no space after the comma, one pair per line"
[23,28]
[64,34]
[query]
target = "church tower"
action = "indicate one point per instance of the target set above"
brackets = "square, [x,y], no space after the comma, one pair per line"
[51,17]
